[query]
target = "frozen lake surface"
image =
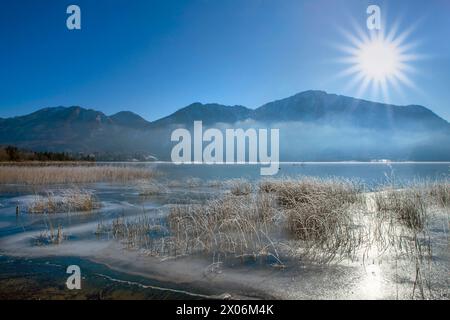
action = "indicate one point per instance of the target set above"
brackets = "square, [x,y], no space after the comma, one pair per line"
[112,270]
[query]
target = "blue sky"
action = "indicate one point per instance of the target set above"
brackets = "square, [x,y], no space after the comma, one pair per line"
[154,57]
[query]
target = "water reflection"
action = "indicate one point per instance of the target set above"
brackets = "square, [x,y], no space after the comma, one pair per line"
[371,285]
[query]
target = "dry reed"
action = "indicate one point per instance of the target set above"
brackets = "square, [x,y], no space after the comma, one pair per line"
[240,187]
[50,236]
[68,200]
[408,206]
[146,188]
[46,175]
[321,215]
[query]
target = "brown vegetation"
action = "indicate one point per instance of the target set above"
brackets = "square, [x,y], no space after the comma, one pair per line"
[47,175]
[70,200]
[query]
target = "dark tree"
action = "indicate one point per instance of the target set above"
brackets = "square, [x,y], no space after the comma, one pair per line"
[13,153]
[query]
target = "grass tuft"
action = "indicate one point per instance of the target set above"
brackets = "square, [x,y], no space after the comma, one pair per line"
[69,200]
[320,213]
[146,188]
[408,206]
[240,187]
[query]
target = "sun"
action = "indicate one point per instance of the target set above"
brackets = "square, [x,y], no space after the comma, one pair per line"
[378,62]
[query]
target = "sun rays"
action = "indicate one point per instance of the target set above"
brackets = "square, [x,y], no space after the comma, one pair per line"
[377,62]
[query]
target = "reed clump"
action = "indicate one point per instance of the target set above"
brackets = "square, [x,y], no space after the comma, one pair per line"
[439,193]
[404,222]
[64,174]
[402,229]
[407,205]
[68,200]
[50,236]
[320,214]
[231,225]
[139,232]
[150,188]
[240,187]
[291,192]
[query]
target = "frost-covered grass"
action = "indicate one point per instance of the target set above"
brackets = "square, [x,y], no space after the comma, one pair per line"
[67,200]
[66,174]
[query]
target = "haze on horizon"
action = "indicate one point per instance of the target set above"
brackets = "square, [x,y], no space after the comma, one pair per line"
[155,57]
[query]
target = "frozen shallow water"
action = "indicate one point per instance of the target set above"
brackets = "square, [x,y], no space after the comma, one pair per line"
[194,276]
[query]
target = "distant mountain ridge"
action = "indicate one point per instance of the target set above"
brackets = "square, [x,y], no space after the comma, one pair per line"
[208,113]
[129,119]
[76,129]
[313,106]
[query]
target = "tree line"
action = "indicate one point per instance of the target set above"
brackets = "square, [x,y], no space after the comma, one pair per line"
[14,154]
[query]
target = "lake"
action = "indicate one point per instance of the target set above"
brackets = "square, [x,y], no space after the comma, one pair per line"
[370,173]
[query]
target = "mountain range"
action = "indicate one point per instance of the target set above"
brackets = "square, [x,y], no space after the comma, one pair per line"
[314,126]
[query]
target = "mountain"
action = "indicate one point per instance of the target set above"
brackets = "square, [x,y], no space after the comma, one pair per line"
[208,113]
[313,107]
[320,107]
[54,126]
[129,119]
[72,129]
[314,126]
